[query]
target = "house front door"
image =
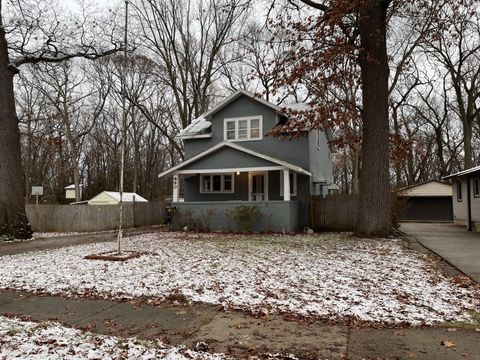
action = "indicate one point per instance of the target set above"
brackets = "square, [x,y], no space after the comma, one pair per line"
[258,187]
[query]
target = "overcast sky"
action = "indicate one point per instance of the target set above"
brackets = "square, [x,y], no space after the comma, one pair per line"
[73,4]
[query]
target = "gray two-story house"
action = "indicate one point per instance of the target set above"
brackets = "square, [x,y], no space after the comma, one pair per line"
[230,162]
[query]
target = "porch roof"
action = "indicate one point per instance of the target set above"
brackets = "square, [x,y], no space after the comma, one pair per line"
[276,164]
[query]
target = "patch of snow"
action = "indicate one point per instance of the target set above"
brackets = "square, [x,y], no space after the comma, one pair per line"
[127,196]
[298,106]
[72,187]
[30,340]
[329,276]
[37,235]
[196,127]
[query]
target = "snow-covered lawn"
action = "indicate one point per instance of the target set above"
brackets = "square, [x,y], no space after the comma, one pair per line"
[29,340]
[330,276]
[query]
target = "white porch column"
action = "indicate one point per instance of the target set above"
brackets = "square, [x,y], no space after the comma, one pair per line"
[286,185]
[176,188]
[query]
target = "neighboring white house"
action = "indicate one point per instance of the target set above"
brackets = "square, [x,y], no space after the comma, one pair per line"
[70,191]
[113,198]
[466,198]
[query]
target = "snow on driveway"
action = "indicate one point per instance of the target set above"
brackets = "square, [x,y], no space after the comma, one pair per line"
[29,340]
[329,276]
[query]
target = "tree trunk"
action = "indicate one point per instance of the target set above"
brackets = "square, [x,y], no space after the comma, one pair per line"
[11,176]
[467,143]
[441,159]
[374,204]
[28,160]
[355,171]
[345,172]
[396,129]
[74,157]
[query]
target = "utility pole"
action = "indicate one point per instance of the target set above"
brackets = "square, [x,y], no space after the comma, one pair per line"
[124,131]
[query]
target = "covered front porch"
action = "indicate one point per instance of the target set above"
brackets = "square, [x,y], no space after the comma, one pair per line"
[237,184]
[208,199]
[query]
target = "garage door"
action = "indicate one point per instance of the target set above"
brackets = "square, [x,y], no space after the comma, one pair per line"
[428,209]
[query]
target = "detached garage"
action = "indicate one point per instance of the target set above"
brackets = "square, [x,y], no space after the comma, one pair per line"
[428,201]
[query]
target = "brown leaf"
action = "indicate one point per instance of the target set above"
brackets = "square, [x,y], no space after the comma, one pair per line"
[447,343]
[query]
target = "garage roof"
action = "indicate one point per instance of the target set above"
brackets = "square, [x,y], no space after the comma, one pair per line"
[425,189]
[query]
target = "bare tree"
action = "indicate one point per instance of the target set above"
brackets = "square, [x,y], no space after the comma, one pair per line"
[187,39]
[32,32]
[456,47]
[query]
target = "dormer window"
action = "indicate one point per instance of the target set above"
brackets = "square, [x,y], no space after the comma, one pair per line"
[243,128]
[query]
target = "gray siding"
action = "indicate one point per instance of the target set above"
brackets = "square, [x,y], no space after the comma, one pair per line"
[294,151]
[275,215]
[320,163]
[227,158]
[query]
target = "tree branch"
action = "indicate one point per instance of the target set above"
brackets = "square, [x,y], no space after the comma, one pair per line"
[31,59]
[316,5]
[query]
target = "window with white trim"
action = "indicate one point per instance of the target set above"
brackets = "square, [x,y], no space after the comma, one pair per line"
[293,183]
[459,190]
[243,129]
[216,183]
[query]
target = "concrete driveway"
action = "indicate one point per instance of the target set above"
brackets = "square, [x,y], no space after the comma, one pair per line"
[459,247]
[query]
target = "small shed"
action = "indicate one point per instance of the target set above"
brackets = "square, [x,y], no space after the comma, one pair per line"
[113,198]
[427,201]
[70,191]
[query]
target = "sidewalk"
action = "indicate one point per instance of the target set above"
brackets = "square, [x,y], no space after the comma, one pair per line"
[239,334]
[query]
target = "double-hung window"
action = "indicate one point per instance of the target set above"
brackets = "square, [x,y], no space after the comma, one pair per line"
[243,128]
[216,183]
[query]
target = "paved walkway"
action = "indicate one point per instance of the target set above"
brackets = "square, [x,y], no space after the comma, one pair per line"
[18,247]
[459,247]
[241,335]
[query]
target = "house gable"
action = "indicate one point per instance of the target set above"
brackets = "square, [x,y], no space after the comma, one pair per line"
[294,151]
[222,158]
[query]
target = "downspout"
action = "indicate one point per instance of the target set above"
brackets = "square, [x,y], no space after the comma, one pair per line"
[469,207]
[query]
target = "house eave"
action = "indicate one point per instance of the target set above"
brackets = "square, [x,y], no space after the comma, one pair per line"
[463,173]
[187,137]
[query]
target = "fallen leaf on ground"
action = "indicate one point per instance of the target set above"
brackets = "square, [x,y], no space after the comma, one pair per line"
[447,343]
[452,329]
